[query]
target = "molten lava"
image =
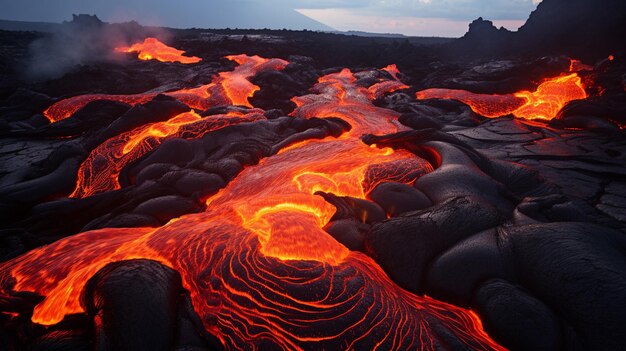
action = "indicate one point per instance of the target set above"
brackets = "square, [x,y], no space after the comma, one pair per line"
[257,263]
[378,90]
[99,173]
[153,49]
[577,66]
[544,103]
[228,88]
[65,108]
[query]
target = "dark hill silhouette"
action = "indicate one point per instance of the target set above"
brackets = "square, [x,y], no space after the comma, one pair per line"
[588,29]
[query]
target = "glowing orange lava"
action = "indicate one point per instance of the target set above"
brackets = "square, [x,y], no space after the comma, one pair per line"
[65,108]
[550,97]
[258,266]
[378,90]
[100,171]
[228,88]
[543,103]
[577,66]
[153,49]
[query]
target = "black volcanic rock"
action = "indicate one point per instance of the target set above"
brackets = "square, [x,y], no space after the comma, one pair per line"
[498,226]
[589,29]
[405,246]
[510,314]
[398,198]
[84,21]
[349,232]
[577,269]
[483,36]
[165,183]
[141,305]
[134,304]
[583,27]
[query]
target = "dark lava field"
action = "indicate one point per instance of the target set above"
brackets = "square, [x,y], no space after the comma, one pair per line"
[205,189]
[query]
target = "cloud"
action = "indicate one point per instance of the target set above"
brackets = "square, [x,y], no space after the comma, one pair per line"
[408,14]
[451,9]
[419,17]
[346,20]
[276,14]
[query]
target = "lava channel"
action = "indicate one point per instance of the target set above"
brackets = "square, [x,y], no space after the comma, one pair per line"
[259,267]
[544,103]
[100,171]
[227,88]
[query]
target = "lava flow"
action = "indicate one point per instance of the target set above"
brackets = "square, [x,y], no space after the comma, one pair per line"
[544,103]
[153,49]
[259,267]
[67,107]
[228,88]
[99,172]
[378,90]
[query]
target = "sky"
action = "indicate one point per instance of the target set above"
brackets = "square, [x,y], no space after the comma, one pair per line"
[447,18]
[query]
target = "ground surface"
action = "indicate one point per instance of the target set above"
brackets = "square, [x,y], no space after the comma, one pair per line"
[523,222]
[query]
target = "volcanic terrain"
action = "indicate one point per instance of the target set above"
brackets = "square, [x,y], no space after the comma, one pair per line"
[166,189]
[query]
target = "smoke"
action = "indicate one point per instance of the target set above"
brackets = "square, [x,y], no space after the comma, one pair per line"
[83,41]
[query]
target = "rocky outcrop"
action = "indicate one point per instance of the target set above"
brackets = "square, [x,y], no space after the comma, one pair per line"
[588,29]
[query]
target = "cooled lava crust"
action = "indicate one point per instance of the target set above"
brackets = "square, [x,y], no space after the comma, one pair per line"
[266,203]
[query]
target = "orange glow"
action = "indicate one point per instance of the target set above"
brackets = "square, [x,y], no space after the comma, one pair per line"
[577,66]
[378,90]
[550,97]
[100,171]
[263,199]
[543,103]
[257,263]
[65,108]
[228,88]
[236,84]
[160,130]
[611,57]
[153,49]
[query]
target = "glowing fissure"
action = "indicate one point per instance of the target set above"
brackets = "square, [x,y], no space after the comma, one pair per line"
[544,103]
[257,263]
[153,49]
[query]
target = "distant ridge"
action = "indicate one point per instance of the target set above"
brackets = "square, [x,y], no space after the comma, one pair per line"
[589,29]
[370,35]
[28,26]
[167,13]
[51,27]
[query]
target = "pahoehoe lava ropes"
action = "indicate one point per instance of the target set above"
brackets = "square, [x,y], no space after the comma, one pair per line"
[256,189]
[259,249]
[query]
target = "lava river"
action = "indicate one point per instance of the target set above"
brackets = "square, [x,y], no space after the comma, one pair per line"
[100,171]
[257,263]
[227,88]
[544,103]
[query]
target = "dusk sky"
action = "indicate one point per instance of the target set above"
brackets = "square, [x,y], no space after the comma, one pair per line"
[411,17]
